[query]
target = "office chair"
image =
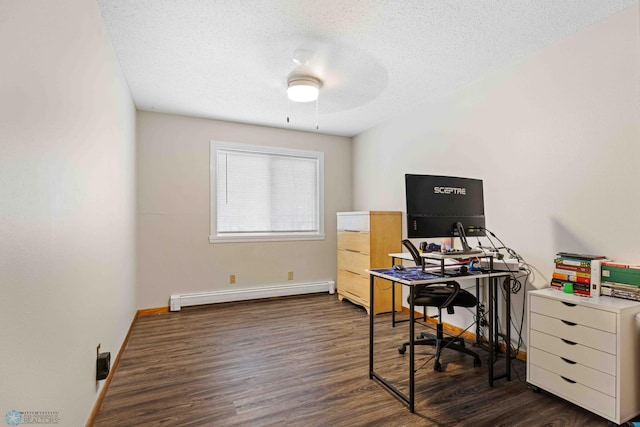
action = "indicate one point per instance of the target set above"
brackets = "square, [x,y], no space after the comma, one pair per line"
[440,295]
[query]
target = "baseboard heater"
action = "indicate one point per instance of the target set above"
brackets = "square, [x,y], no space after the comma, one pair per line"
[176,302]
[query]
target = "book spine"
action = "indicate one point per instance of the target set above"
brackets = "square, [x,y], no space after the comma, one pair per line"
[620,265]
[623,294]
[556,284]
[571,261]
[579,256]
[571,278]
[578,288]
[562,266]
[621,286]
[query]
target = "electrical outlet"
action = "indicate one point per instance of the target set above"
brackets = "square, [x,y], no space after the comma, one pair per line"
[290,275]
[103,366]
[232,279]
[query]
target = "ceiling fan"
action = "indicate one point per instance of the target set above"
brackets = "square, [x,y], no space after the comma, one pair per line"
[303,85]
[345,77]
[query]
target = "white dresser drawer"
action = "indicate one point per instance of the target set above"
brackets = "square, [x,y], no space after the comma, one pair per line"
[596,359]
[590,337]
[580,394]
[353,221]
[587,316]
[575,371]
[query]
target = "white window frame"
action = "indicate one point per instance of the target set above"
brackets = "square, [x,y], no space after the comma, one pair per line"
[215,237]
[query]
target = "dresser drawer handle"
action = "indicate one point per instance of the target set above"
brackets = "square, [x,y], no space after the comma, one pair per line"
[571,362]
[568,304]
[566,322]
[352,250]
[567,380]
[569,342]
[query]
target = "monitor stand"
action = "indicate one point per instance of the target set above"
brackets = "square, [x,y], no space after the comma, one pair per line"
[463,237]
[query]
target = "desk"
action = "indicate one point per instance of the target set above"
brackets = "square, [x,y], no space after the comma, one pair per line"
[413,276]
[437,261]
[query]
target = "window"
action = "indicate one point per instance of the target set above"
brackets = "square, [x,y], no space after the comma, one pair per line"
[265,194]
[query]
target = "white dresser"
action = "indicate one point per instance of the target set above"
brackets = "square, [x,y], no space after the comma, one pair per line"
[586,350]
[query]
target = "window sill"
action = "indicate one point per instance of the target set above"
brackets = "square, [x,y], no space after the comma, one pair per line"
[265,238]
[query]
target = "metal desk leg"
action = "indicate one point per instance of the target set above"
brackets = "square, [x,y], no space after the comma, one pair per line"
[372,373]
[371,326]
[494,344]
[496,322]
[393,304]
[508,343]
[478,320]
[411,349]
[491,325]
[393,297]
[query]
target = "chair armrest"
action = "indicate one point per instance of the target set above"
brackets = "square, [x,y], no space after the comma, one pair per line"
[454,293]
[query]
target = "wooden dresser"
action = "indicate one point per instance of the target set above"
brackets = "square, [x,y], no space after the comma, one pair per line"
[365,240]
[586,350]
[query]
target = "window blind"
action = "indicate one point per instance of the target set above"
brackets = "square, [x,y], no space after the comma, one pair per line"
[262,192]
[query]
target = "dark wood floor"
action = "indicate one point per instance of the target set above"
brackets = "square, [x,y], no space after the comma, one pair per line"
[303,361]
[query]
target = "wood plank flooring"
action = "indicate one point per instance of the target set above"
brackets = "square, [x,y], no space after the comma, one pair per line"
[303,361]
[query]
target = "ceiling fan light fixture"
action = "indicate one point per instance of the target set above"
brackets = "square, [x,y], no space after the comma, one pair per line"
[303,88]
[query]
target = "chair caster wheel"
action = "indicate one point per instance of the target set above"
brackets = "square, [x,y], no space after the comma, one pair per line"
[402,349]
[437,367]
[477,363]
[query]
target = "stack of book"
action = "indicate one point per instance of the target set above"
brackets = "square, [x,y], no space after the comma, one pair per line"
[620,280]
[573,271]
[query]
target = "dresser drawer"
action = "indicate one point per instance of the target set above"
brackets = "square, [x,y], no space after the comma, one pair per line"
[354,240]
[355,262]
[580,394]
[353,221]
[575,371]
[590,337]
[587,316]
[599,360]
[353,283]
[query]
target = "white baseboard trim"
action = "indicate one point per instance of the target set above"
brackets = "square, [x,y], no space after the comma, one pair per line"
[178,301]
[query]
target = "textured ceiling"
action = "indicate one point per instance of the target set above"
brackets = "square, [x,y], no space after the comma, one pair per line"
[229,59]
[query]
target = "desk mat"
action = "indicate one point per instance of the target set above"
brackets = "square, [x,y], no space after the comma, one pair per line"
[410,273]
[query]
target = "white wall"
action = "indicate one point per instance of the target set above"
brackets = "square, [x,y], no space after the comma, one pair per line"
[555,137]
[174,253]
[67,219]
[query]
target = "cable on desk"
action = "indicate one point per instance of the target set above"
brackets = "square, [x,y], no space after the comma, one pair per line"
[515,285]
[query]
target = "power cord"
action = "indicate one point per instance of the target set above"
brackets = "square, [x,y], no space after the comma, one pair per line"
[516,282]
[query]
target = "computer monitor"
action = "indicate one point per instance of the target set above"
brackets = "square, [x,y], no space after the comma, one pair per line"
[437,206]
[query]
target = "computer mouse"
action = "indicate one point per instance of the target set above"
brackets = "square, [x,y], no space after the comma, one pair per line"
[399,267]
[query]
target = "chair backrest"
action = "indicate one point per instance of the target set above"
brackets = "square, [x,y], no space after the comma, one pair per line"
[414,252]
